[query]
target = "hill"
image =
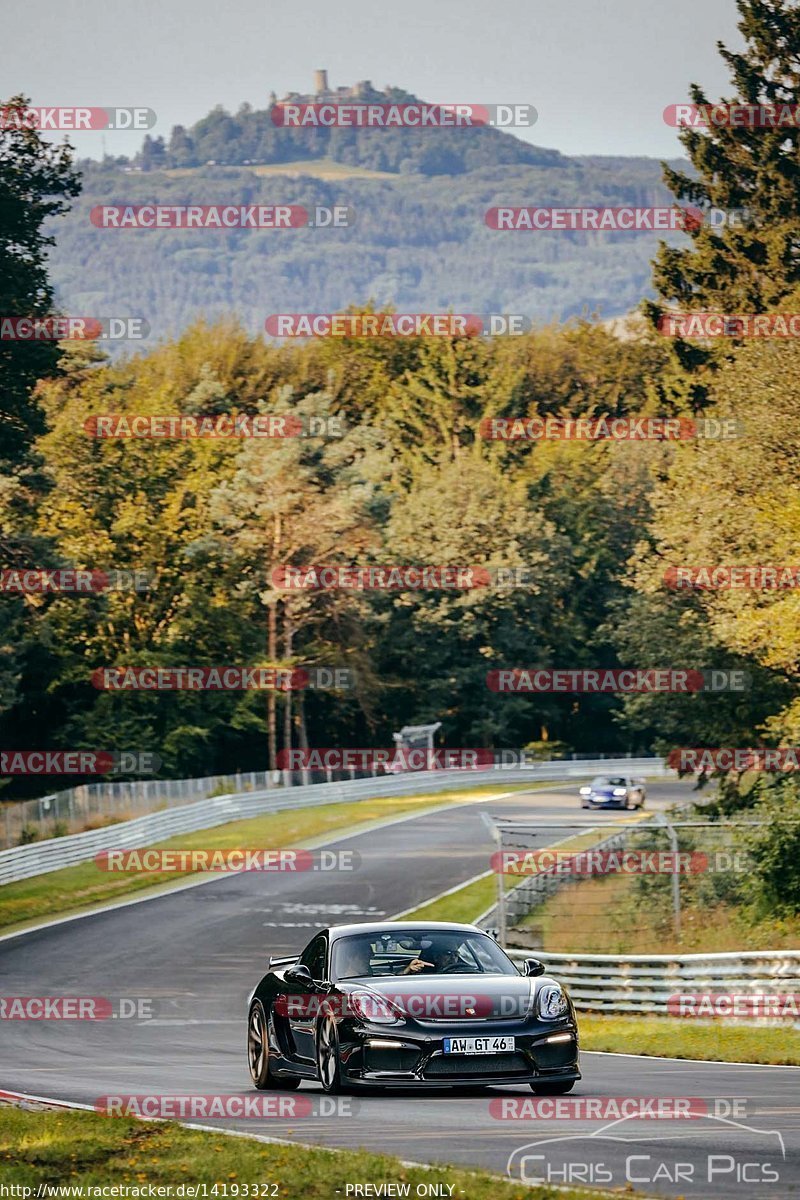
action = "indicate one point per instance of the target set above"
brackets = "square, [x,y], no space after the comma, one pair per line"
[419,240]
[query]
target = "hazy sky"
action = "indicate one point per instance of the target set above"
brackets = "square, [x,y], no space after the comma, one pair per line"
[600,72]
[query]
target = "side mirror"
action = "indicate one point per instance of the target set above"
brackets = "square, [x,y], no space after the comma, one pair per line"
[301,974]
[534,967]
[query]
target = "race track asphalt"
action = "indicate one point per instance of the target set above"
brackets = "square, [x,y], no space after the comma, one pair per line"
[194,956]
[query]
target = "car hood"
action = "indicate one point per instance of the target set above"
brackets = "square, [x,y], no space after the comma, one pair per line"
[454,997]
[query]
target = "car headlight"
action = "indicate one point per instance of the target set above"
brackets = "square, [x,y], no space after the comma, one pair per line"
[586,791]
[375,1009]
[551,1002]
[619,791]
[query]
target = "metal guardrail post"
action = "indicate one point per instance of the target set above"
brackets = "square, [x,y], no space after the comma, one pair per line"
[676,878]
[501,883]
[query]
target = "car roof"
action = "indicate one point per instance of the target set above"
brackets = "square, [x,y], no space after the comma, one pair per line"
[337,931]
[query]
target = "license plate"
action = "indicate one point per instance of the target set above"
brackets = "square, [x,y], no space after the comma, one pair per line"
[479,1045]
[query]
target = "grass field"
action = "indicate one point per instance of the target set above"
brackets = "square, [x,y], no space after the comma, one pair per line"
[607,916]
[676,1038]
[318,168]
[85,1149]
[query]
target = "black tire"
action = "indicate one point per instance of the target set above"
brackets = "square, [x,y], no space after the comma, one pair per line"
[553,1087]
[329,1067]
[258,1057]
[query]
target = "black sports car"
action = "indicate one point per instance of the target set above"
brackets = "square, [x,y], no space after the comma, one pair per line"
[410,1003]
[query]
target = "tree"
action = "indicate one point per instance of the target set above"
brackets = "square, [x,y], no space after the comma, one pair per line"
[36,181]
[296,502]
[732,503]
[754,266]
[751,262]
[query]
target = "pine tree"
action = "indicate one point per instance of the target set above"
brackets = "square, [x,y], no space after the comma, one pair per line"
[35,180]
[751,263]
[754,265]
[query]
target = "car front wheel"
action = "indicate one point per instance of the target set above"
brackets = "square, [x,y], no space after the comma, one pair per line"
[329,1068]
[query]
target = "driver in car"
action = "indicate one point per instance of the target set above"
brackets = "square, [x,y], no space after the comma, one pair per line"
[357,961]
[447,960]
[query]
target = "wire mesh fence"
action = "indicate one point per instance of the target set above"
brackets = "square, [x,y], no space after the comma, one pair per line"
[92,805]
[639,885]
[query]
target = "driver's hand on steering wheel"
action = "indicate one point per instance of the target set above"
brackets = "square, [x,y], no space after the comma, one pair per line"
[416,964]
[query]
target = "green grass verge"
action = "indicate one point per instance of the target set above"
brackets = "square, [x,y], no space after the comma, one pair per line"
[82,1148]
[65,891]
[464,904]
[676,1038]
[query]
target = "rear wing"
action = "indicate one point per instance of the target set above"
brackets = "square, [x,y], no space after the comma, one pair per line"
[275,961]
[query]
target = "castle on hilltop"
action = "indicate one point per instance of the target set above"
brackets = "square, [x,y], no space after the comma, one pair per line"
[363,90]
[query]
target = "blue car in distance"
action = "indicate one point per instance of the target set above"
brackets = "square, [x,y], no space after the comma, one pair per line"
[613,791]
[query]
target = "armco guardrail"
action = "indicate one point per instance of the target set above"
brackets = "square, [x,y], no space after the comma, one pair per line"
[24,862]
[91,805]
[644,983]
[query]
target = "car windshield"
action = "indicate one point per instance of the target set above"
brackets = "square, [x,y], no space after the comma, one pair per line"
[601,781]
[365,955]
